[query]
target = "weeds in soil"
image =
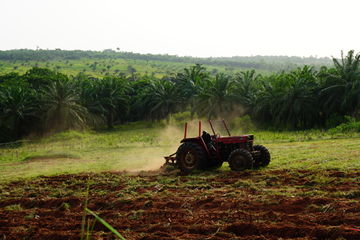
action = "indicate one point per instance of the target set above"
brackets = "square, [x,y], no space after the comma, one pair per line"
[14,207]
[87,224]
[84,221]
[107,225]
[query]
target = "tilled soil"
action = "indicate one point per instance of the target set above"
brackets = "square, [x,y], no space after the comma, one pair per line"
[264,204]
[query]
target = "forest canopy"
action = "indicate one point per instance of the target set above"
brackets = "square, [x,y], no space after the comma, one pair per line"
[270,63]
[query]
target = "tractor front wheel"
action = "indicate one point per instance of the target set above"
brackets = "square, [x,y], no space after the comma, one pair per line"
[189,157]
[240,159]
[261,157]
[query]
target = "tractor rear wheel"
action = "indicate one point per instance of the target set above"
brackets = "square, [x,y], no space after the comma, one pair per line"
[240,159]
[262,158]
[189,157]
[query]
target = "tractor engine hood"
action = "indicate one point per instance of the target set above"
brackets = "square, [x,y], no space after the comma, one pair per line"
[236,139]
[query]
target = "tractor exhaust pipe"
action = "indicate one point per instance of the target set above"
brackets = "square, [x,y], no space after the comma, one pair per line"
[226,127]
[199,128]
[185,130]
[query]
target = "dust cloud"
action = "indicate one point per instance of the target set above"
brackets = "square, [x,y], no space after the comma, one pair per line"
[168,139]
[152,157]
[168,142]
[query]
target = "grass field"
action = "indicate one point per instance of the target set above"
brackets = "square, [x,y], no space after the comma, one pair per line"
[310,190]
[141,146]
[110,66]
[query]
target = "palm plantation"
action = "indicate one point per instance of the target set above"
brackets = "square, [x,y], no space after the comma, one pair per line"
[41,99]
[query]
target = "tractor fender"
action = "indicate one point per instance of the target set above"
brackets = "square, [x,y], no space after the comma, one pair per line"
[199,141]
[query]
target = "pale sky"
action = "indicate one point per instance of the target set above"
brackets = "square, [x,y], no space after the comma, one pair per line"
[201,28]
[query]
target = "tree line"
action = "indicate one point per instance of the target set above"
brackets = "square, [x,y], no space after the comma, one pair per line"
[42,100]
[269,63]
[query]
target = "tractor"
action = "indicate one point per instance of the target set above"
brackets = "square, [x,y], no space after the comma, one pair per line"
[210,151]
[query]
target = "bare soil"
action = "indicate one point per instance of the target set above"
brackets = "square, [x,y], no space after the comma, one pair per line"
[260,204]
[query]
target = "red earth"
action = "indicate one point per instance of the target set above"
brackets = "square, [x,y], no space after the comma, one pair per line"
[264,204]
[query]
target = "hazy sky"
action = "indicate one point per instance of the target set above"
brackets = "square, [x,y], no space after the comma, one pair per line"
[182,27]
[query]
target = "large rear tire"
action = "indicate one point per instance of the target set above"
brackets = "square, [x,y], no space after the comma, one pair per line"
[190,156]
[240,159]
[262,158]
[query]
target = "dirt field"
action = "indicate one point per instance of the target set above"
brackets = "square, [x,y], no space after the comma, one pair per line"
[267,204]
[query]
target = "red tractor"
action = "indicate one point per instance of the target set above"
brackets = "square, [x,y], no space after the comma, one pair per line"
[210,151]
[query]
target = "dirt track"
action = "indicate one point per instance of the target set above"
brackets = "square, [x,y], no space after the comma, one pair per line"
[225,205]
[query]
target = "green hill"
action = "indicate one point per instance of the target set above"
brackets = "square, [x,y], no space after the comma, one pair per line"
[112,62]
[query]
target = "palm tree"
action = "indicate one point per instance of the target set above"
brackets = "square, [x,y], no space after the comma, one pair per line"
[40,77]
[341,93]
[299,106]
[110,94]
[246,85]
[161,98]
[87,87]
[138,89]
[17,111]
[61,106]
[290,100]
[270,90]
[214,97]
[187,84]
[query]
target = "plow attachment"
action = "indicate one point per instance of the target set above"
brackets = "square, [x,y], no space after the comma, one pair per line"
[170,160]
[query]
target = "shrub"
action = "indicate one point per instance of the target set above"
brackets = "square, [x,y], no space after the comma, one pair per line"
[351,126]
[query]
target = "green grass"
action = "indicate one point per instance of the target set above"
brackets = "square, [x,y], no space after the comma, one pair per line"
[107,225]
[15,207]
[141,146]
